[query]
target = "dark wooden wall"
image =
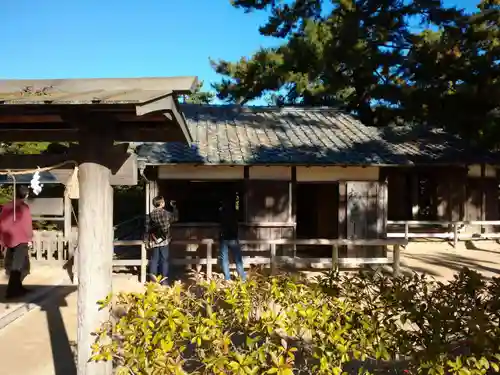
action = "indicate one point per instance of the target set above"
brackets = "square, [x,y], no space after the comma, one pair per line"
[268,213]
[265,211]
[454,195]
[364,214]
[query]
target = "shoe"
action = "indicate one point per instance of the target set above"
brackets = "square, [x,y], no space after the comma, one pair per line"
[15,288]
[153,279]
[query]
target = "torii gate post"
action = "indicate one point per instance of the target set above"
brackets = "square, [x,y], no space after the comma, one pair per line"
[95,239]
[96,113]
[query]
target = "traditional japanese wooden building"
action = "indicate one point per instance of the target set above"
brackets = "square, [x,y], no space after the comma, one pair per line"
[319,173]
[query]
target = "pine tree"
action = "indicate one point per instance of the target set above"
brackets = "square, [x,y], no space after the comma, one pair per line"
[385,61]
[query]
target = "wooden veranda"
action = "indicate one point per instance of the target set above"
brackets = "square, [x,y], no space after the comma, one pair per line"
[93,115]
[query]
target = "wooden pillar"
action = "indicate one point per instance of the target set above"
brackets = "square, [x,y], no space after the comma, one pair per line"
[209,259]
[335,257]
[414,194]
[148,198]
[342,213]
[153,191]
[396,261]
[483,193]
[382,207]
[67,216]
[95,249]
[273,258]
[293,207]
[246,182]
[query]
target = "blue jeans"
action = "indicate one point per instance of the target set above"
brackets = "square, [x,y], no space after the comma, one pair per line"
[234,246]
[158,264]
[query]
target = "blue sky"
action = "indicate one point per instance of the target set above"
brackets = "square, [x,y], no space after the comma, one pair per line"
[126,38]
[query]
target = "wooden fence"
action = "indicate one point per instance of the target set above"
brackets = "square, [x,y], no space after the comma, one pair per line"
[53,247]
[447,230]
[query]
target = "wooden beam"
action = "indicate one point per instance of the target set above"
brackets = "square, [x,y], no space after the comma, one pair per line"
[46,206]
[29,119]
[123,164]
[19,162]
[127,131]
[63,117]
[21,110]
[94,86]
[127,174]
[169,106]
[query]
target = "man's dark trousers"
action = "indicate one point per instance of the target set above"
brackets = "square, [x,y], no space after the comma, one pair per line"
[158,264]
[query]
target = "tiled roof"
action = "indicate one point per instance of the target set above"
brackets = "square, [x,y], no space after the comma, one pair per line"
[319,136]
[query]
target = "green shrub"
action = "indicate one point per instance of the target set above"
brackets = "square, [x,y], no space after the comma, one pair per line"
[287,325]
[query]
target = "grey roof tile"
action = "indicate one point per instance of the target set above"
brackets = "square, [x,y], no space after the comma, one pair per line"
[321,136]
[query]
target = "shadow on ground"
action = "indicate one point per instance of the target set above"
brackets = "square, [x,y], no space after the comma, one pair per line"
[469,245]
[48,299]
[452,262]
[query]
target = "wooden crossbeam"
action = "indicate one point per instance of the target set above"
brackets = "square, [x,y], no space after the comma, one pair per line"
[124,165]
[125,132]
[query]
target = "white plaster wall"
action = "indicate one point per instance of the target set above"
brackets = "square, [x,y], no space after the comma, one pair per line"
[325,174]
[281,173]
[270,173]
[475,171]
[202,172]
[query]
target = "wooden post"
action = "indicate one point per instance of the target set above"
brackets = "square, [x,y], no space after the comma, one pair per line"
[273,258]
[293,200]
[144,263]
[60,247]
[335,257]
[188,257]
[396,261]
[342,212]
[148,198]
[67,216]
[414,194]
[209,259]
[95,251]
[483,196]
[455,235]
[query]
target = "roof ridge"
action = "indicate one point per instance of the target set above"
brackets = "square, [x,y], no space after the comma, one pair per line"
[255,108]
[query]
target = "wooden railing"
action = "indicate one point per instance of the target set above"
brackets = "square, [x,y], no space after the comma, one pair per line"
[53,247]
[273,260]
[448,230]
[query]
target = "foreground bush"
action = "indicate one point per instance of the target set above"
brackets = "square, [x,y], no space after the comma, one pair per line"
[285,325]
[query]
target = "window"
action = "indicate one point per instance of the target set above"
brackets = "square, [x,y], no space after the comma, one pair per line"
[199,201]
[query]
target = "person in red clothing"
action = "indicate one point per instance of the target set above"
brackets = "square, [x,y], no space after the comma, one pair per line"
[16,232]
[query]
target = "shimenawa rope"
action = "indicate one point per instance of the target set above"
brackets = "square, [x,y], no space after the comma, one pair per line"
[13,175]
